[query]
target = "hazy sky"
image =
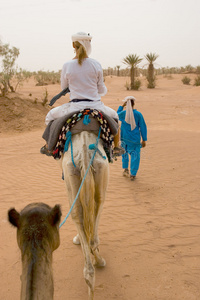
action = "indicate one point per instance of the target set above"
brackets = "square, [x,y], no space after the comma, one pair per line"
[42,30]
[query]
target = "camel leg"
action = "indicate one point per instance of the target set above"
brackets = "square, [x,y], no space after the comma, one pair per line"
[90,294]
[99,261]
[100,190]
[88,271]
[73,183]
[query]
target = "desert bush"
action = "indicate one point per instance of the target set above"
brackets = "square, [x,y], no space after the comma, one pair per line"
[21,76]
[198,70]
[11,76]
[45,98]
[189,68]
[197,81]
[9,56]
[186,80]
[137,84]
[45,78]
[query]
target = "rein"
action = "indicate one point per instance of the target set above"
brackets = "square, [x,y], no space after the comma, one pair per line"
[96,149]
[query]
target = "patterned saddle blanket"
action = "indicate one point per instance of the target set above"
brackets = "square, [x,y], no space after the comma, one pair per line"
[92,119]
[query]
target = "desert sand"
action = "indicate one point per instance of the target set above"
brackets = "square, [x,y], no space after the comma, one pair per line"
[149,228]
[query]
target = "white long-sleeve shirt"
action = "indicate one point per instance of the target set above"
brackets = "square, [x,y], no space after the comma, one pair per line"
[84,81]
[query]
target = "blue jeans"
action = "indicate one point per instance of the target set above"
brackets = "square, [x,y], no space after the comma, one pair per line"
[134,152]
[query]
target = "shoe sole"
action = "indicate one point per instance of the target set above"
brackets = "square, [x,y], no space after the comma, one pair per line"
[46,152]
[125,175]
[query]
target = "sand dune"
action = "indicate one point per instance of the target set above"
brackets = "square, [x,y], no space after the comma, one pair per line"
[149,229]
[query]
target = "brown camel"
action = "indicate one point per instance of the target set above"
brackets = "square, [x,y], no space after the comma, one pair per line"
[37,236]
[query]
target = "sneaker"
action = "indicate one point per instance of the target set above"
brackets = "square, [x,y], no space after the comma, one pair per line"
[44,150]
[126,173]
[118,151]
[132,177]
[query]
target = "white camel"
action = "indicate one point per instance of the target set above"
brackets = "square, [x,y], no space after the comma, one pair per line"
[87,209]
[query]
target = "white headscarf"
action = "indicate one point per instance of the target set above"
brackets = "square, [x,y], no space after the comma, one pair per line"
[130,119]
[84,39]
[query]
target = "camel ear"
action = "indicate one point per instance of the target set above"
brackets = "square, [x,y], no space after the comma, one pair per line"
[55,215]
[14,217]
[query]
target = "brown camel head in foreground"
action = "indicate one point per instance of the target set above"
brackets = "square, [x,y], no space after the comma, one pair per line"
[37,236]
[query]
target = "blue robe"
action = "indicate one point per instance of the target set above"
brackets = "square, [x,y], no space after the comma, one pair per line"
[131,139]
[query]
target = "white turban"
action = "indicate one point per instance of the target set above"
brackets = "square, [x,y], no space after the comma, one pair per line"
[130,119]
[84,39]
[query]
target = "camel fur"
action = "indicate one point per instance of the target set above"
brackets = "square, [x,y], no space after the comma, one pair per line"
[88,207]
[37,237]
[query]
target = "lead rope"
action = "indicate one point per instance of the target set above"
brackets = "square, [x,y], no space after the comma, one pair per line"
[69,140]
[91,161]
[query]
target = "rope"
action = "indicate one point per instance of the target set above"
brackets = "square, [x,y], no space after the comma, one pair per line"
[90,163]
[94,147]
[86,120]
[69,140]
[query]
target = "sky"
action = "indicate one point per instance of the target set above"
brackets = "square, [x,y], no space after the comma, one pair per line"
[42,30]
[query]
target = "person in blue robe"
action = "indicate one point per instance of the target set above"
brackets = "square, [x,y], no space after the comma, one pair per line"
[133,136]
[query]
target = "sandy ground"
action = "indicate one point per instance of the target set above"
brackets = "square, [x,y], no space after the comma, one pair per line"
[149,229]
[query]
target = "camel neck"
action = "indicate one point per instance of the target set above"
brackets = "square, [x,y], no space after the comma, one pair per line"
[37,277]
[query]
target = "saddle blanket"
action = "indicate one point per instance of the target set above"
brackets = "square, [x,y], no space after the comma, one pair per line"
[55,132]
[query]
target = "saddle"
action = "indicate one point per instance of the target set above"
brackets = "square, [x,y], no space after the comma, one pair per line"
[84,120]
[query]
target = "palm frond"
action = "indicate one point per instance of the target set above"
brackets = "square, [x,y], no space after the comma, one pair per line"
[132,60]
[151,57]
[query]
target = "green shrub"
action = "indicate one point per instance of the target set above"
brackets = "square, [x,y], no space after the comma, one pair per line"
[45,99]
[198,70]
[137,84]
[45,78]
[197,81]
[186,80]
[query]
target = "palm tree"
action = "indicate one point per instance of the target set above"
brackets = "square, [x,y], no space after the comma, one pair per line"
[132,60]
[151,58]
[118,67]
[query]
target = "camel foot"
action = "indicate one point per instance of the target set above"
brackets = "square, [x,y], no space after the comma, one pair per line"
[100,262]
[90,294]
[89,277]
[76,240]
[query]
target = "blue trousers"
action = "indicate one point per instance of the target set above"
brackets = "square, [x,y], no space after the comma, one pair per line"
[134,152]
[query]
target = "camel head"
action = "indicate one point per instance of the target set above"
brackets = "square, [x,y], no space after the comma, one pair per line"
[37,226]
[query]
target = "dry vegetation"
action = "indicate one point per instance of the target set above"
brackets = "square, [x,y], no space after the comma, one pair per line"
[26,110]
[18,115]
